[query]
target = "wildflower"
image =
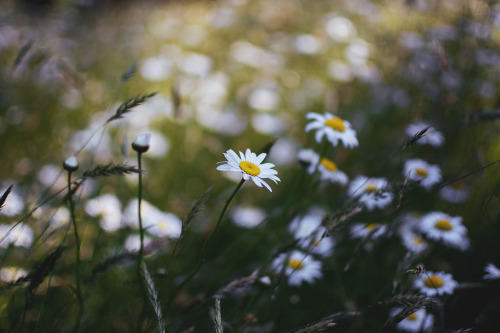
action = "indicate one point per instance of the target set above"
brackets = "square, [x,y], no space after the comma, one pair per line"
[12,274]
[426,174]
[311,234]
[328,171]
[432,137]
[455,193]
[249,164]
[309,159]
[133,242]
[14,205]
[362,230]
[413,241]
[108,208]
[163,224]
[372,192]
[492,272]
[248,217]
[418,321]
[21,235]
[333,127]
[299,267]
[141,142]
[438,283]
[441,226]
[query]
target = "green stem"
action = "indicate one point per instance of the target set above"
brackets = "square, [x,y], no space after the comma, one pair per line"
[139,199]
[77,264]
[205,244]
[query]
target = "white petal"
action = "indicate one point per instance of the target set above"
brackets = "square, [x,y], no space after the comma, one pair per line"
[260,158]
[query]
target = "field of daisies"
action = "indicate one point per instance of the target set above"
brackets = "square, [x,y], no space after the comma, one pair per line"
[250,166]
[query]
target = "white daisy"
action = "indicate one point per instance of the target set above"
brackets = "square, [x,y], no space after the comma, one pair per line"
[299,267]
[362,230]
[12,274]
[441,226]
[109,210]
[418,321]
[309,159]
[148,212]
[21,235]
[438,283]
[247,217]
[426,174]
[372,192]
[328,171]
[163,224]
[457,192]
[432,137]
[310,233]
[413,241]
[133,242]
[249,164]
[492,272]
[333,127]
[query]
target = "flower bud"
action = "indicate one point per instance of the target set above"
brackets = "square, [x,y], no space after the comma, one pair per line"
[141,142]
[71,164]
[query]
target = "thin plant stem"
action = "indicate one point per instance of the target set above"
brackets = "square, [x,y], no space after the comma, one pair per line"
[139,200]
[205,244]
[77,264]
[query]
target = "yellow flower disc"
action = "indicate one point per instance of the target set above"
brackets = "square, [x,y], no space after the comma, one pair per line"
[417,240]
[444,225]
[249,168]
[433,282]
[370,226]
[371,188]
[336,123]
[329,164]
[412,317]
[421,172]
[457,185]
[295,264]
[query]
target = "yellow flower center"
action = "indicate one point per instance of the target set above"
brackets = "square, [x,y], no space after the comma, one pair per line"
[457,185]
[371,188]
[336,123]
[421,172]
[444,225]
[329,164]
[417,240]
[433,282]
[315,243]
[370,226]
[249,168]
[295,264]
[412,317]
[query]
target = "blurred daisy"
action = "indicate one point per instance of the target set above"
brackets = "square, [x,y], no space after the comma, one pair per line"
[372,192]
[299,267]
[163,224]
[249,164]
[12,274]
[457,192]
[14,205]
[372,230]
[426,174]
[328,171]
[438,283]
[310,233]
[309,159]
[130,214]
[333,127]
[413,241]
[441,226]
[4,236]
[432,137]
[133,242]
[247,217]
[492,272]
[108,209]
[21,235]
[418,321]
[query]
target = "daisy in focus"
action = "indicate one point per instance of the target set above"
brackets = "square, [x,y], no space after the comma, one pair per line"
[450,230]
[418,321]
[492,272]
[426,174]
[333,127]
[432,137]
[299,267]
[438,283]
[251,167]
[371,191]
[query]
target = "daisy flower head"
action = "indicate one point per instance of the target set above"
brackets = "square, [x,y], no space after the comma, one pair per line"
[108,209]
[413,241]
[426,174]
[333,127]
[372,230]
[299,267]
[251,167]
[456,193]
[435,283]
[328,171]
[492,272]
[310,233]
[432,137]
[443,227]
[309,159]
[372,192]
[418,321]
